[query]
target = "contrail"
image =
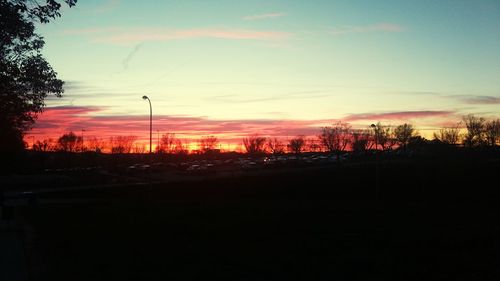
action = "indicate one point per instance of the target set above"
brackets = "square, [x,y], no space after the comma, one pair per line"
[129,57]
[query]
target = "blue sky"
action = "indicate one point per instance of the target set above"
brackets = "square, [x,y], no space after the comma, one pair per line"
[302,61]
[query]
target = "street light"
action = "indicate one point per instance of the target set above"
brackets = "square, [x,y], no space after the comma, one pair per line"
[377,164]
[83,130]
[150,124]
[374,127]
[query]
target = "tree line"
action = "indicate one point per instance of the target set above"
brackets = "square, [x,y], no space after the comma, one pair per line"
[471,132]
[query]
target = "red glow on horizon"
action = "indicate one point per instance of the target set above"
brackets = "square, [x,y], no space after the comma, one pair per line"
[89,123]
[86,122]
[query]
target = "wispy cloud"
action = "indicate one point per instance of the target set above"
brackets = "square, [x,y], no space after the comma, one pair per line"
[379,27]
[137,35]
[91,31]
[282,97]
[470,99]
[263,16]
[398,115]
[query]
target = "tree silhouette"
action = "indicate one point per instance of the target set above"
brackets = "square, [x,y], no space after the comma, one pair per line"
[181,147]
[361,141]
[275,146]
[43,146]
[254,144]
[139,148]
[403,133]
[492,131]
[26,78]
[296,145]
[449,135]
[313,145]
[122,144]
[475,134]
[383,136]
[167,143]
[208,143]
[336,138]
[95,145]
[69,142]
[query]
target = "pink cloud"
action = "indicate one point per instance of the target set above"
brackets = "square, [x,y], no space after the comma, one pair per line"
[401,115]
[127,36]
[263,16]
[56,121]
[380,27]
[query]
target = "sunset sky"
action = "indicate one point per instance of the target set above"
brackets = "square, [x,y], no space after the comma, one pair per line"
[275,68]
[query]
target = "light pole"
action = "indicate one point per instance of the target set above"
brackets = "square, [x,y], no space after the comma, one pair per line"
[150,124]
[377,168]
[83,130]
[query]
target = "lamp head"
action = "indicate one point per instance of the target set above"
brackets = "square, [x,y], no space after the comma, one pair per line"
[373,125]
[144,97]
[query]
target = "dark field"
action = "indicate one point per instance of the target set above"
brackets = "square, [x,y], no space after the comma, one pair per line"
[431,220]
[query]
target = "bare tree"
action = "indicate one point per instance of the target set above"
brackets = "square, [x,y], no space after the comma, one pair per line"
[69,142]
[449,135]
[168,143]
[121,144]
[383,136]
[43,146]
[361,141]
[208,143]
[492,131]
[139,148]
[403,134]
[336,138]
[181,147]
[313,145]
[275,146]
[96,145]
[297,144]
[475,134]
[254,144]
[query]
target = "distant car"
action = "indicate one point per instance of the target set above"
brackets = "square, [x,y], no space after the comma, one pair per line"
[249,166]
[138,167]
[193,168]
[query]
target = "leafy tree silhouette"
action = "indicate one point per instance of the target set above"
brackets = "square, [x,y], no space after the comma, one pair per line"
[403,134]
[26,78]
[361,141]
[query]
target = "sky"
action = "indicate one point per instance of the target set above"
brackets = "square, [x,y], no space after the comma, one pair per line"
[272,67]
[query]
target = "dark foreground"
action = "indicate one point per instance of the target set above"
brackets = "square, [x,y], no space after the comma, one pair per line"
[433,220]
